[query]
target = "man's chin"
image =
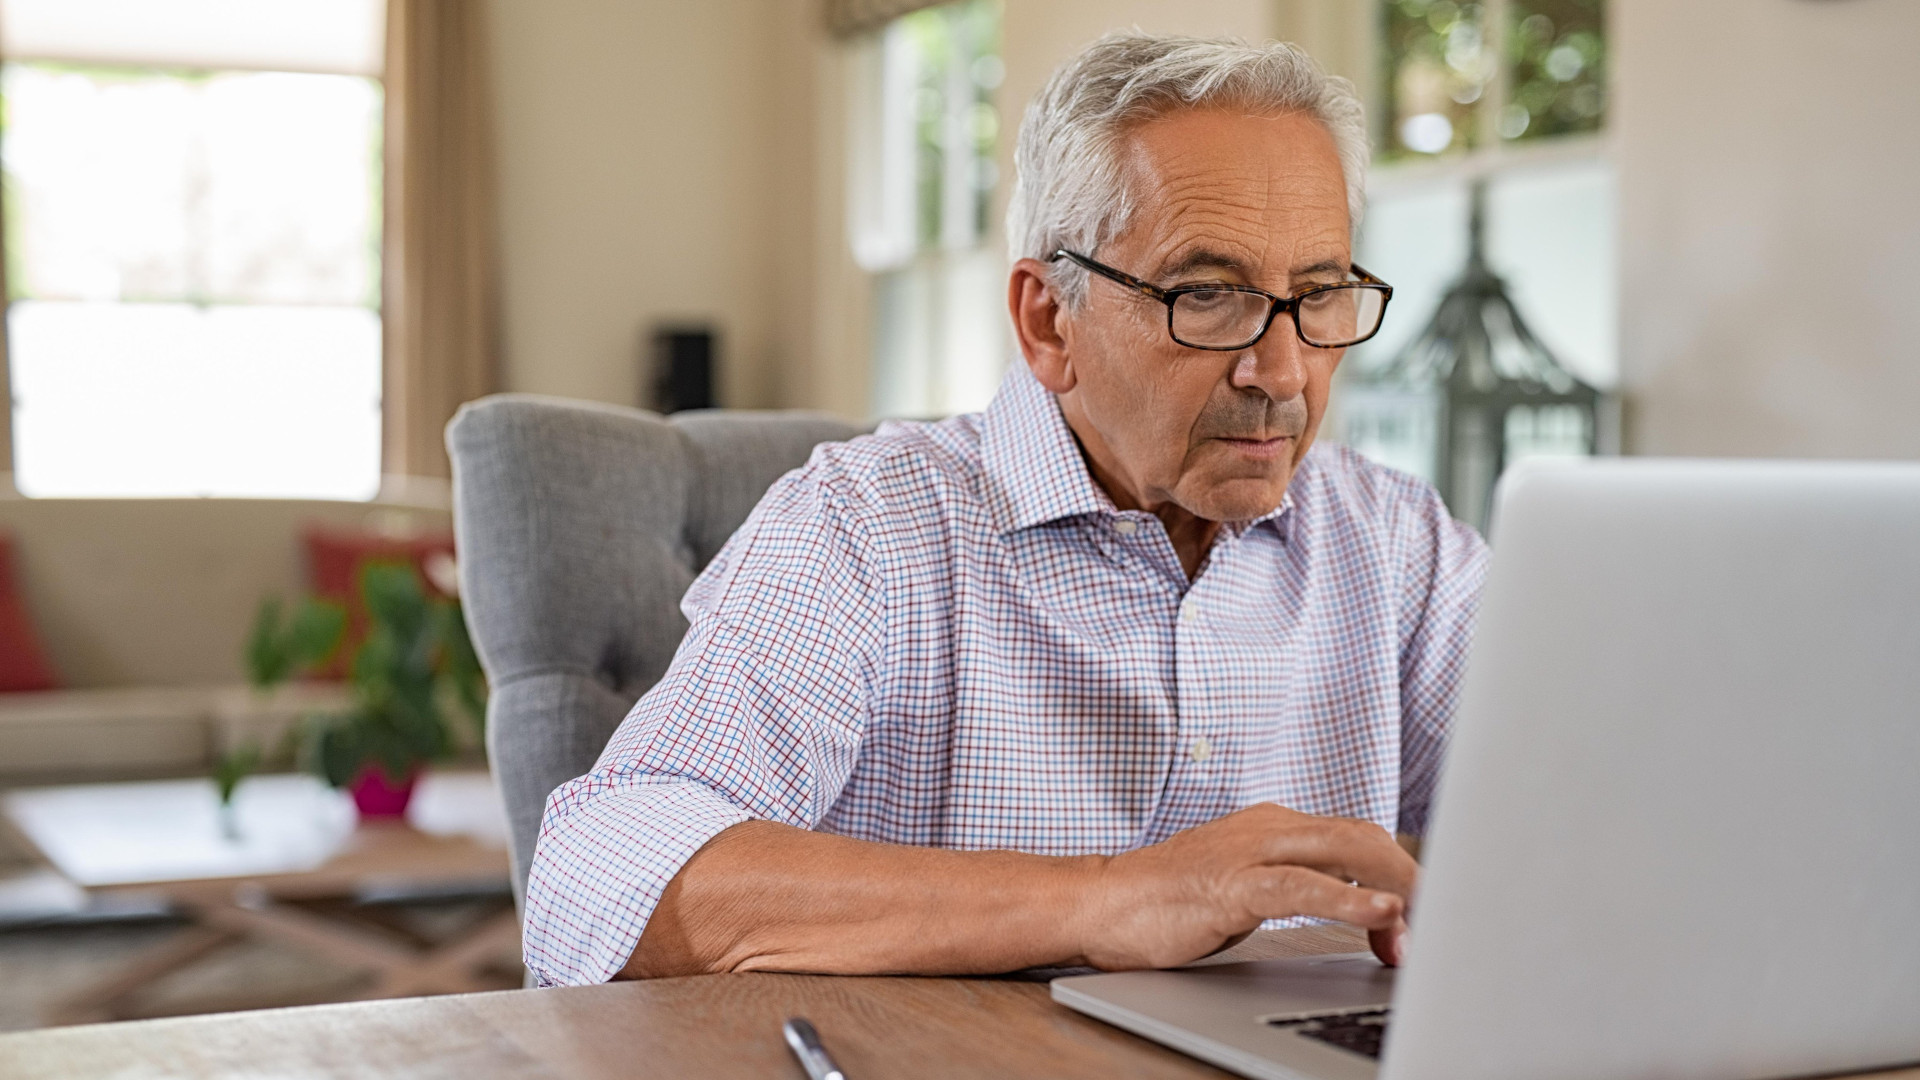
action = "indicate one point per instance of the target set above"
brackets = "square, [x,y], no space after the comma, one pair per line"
[1237,480]
[1237,498]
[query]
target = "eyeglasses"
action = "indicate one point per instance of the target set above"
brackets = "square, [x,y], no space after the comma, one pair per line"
[1227,317]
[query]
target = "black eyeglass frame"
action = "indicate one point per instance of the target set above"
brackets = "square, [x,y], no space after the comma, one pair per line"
[1275,304]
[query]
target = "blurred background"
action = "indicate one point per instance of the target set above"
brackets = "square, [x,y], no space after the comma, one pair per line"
[257,254]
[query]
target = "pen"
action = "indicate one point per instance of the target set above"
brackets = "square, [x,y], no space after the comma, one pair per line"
[806,1046]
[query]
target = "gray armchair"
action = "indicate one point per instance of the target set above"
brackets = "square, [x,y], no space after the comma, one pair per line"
[580,527]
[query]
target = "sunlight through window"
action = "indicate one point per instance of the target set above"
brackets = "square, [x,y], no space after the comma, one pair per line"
[195,273]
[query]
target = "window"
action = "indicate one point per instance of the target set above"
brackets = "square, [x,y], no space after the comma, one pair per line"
[1461,76]
[193,251]
[924,177]
[1549,234]
[1522,110]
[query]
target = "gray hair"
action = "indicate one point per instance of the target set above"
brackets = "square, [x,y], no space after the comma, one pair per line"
[1068,191]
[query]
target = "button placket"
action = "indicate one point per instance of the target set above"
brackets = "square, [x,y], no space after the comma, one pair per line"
[1197,713]
[1196,720]
[1189,610]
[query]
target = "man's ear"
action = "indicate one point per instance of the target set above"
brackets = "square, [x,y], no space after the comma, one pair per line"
[1039,323]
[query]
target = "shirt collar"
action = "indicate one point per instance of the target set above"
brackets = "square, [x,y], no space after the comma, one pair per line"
[1034,468]
[1035,473]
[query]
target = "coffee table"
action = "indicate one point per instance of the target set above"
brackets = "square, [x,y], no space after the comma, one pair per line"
[240,873]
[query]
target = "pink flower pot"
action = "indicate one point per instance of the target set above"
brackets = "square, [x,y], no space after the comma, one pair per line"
[378,796]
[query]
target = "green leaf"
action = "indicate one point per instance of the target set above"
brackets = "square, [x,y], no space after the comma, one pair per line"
[415,669]
[266,654]
[394,597]
[232,767]
[332,749]
[315,634]
[278,648]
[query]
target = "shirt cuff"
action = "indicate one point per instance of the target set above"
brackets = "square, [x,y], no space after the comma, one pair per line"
[599,870]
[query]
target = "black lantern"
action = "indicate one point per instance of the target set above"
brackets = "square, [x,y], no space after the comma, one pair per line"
[1479,386]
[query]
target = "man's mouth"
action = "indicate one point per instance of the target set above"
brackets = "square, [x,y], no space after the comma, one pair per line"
[1260,448]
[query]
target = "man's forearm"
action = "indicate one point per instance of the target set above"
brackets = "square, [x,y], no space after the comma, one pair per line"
[767,897]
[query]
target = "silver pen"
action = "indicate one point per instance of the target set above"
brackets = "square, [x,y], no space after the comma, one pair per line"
[806,1046]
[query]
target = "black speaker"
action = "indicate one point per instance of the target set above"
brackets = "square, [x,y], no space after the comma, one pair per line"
[682,368]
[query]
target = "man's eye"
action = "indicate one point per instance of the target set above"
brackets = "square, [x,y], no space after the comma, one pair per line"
[1205,299]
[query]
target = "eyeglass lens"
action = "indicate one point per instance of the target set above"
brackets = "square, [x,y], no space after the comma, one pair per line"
[1227,319]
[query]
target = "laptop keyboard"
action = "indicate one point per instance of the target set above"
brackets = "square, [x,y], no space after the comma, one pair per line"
[1360,1032]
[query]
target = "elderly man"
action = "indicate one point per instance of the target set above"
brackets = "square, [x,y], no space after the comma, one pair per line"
[1111,673]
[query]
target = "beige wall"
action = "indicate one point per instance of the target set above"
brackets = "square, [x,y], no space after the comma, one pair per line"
[639,182]
[1770,226]
[820,356]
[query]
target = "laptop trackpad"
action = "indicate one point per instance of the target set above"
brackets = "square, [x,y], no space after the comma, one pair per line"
[1271,988]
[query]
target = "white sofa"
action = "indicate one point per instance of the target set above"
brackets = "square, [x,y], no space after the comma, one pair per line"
[144,605]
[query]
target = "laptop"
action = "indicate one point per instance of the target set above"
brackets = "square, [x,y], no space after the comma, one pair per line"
[1678,832]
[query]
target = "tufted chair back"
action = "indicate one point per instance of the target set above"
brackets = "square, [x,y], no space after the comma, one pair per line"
[579,528]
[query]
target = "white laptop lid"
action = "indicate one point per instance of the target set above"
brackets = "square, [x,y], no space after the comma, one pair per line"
[1679,829]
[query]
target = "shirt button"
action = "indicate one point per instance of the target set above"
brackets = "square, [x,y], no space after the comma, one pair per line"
[1126,526]
[1202,749]
[1189,610]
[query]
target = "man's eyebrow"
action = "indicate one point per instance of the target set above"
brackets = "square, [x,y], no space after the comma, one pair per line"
[1202,260]
[1324,266]
[1214,260]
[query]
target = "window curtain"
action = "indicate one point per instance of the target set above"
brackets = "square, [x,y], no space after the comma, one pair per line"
[440,278]
[848,18]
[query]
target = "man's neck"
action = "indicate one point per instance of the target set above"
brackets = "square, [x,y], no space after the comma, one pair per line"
[1192,535]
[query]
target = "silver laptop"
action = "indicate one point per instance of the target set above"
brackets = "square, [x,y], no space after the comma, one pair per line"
[1679,829]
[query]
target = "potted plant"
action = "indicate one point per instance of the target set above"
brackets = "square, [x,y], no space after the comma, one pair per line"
[410,676]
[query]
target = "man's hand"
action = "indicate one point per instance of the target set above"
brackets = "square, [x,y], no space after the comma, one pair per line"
[768,897]
[1200,890]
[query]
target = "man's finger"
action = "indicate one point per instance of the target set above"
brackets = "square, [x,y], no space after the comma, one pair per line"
[1390,945]
[1345,849]
[1279,892]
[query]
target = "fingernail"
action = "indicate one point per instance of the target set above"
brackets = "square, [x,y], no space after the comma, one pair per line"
[1400,948]
[1383,901]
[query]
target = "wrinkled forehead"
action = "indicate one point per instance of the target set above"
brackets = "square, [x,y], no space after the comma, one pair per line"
[1253,197]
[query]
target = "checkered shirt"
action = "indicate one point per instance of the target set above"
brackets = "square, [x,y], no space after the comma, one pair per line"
[945,634]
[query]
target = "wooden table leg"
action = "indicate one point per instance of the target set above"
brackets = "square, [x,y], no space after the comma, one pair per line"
[452,966]
[401,969]
[359,946]
[96,1001]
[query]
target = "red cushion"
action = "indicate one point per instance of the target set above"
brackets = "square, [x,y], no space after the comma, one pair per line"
[334,559]
[23,663]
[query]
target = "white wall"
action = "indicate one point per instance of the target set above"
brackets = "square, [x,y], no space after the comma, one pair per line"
[1770,226]
[638,182]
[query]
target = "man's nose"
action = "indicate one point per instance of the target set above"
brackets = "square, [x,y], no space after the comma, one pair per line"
[1276,365]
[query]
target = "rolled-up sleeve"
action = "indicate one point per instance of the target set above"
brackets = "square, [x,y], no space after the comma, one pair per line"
[1443,564]
[760,717]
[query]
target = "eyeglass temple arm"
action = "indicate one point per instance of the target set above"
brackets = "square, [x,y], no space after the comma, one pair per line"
[1108,272]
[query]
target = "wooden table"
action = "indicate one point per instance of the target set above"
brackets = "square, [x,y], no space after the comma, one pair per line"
[714,1026]
[243,873]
